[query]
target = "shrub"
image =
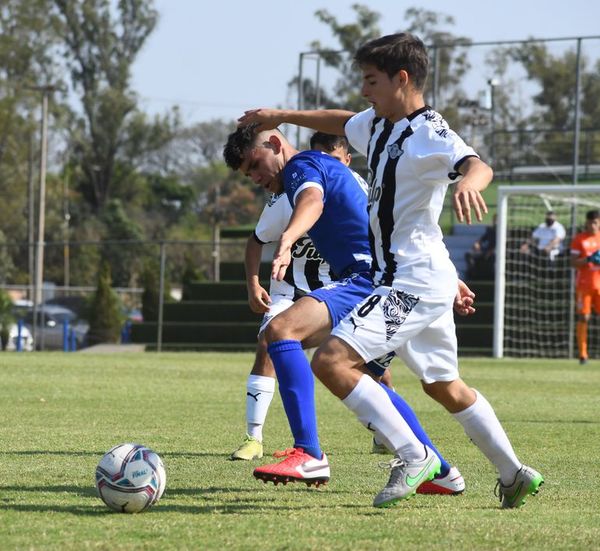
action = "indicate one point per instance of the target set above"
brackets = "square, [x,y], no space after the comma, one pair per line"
[105,311]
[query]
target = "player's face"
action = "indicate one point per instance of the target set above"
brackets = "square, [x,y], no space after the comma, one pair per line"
[593,226]
[263,167]
[385,94]
[338,153]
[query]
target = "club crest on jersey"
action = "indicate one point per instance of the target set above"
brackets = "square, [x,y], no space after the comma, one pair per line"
[304,247]
[396,308]
[394,151]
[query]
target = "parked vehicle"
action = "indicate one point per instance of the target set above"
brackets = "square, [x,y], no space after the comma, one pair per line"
[50,327]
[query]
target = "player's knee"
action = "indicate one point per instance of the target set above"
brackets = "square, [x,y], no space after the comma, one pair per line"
[454,395]
[272,332]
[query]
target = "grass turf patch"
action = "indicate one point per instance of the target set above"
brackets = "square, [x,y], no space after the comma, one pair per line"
[60,413]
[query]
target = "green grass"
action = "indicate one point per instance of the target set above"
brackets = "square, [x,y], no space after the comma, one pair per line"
[59,413]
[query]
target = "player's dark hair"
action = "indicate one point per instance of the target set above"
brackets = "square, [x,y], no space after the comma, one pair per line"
[329,142]
[592,214]
[237,145]
[394,52]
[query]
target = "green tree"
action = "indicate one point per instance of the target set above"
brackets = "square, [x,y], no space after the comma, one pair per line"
[106,318]
[349,37]
[100,51]
[555,76]
[6,263]
[451,58]
[126,258]
[26,43]
[6,318]
[151,293]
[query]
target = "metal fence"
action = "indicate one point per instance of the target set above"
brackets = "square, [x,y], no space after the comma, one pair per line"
[494,103]
[71,269]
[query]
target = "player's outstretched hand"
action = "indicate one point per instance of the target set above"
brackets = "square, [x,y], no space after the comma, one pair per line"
[466,198]
[267,119]
[281,260]
[259,300]
[594,257]
[463,302]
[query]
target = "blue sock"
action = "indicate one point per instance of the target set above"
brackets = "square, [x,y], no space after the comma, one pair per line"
[297,390]
[411,419]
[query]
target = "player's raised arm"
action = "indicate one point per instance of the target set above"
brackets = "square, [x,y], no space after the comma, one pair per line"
[467,192]
[330,121]
[307,210]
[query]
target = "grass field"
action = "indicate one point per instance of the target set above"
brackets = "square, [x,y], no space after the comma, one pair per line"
[60,412]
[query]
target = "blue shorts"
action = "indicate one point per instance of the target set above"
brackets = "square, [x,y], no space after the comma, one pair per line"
[342,296]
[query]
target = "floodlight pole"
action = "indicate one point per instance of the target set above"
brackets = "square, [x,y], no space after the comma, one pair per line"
[39,257]
[300,93]
[577,127]
[492,83]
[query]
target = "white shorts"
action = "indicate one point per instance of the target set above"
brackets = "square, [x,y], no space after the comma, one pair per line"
[279,303]
[419,330]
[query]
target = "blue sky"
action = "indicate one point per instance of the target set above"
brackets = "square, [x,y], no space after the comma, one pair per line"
[215,59]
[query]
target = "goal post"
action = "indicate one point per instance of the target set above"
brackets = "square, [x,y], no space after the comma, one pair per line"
[534,310]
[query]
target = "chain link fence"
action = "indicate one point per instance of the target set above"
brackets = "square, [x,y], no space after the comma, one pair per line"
[160,269]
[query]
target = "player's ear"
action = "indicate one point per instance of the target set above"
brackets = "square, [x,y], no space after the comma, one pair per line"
[275,143]
[349,158]
[402,78]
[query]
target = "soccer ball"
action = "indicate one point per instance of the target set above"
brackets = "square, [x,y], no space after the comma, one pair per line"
[130,478]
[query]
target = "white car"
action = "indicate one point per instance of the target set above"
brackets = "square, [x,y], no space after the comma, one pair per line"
[50,335]
[13,337]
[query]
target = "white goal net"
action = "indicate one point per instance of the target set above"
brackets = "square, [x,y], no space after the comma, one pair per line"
[534,304]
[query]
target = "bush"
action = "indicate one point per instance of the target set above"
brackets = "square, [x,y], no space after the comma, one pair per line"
[6,318]
[151,294]
[105,311]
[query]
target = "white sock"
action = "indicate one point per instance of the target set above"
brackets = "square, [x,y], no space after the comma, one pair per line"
[375,410]
[259,393]
[484,429]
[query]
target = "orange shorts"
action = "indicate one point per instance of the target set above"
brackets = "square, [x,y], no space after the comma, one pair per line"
[586,299]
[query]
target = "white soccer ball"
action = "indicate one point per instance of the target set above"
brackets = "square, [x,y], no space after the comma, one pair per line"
[130,478]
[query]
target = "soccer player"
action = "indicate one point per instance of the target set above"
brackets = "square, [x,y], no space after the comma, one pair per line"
[412,156]
[306,272]
[330,204]
[585,258]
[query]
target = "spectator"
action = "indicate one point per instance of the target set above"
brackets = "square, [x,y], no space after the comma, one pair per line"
[547,239]
[480,259]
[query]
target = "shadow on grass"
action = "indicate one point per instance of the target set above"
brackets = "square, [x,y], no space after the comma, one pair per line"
[210,501]
[80,510]
[100,453]
[76,490]
[555,421]
[51,452]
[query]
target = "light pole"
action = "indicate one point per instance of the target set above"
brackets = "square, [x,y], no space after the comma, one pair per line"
[66,219]
[492,83]
[39,252]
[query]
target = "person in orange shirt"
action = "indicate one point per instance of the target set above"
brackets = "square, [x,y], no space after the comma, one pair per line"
[585,258]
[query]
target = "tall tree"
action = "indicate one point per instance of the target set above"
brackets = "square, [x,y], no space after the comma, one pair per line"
[26,43]
[452,62]
[555,100]
[100,50]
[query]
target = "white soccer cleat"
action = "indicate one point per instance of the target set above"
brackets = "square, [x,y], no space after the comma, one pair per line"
[451,484]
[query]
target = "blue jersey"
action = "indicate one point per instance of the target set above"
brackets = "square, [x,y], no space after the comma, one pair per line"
[341,233]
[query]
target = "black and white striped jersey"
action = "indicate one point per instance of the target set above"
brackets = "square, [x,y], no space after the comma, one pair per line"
[307,271]
[411,163]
